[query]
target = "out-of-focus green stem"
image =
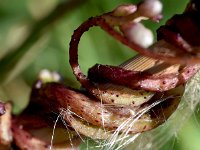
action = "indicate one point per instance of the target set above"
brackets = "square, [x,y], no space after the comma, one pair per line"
[8,62]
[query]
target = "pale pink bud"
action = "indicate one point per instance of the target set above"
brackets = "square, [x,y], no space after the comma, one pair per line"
[138,33]
[124,10]
[150,8]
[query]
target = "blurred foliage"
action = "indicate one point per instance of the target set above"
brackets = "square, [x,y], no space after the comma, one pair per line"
[34,35]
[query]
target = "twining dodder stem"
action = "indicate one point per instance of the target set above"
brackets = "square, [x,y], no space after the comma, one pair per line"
[115,100]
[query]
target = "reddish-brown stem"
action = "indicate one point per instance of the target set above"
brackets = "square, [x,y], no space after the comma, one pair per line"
[174,38]
[141,80]
[73,50]
[100,21]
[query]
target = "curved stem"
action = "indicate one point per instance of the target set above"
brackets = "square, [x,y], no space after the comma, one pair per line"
[101,21]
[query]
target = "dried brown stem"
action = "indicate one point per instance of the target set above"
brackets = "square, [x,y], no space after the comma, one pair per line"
[56,97]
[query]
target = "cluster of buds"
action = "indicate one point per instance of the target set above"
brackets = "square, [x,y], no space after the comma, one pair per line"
[131,17]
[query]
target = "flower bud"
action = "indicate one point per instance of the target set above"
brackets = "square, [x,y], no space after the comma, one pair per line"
[138,33]
[47,76]
[124,10]
[150,8]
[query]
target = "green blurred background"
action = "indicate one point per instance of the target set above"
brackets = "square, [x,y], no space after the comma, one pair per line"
[35,34]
